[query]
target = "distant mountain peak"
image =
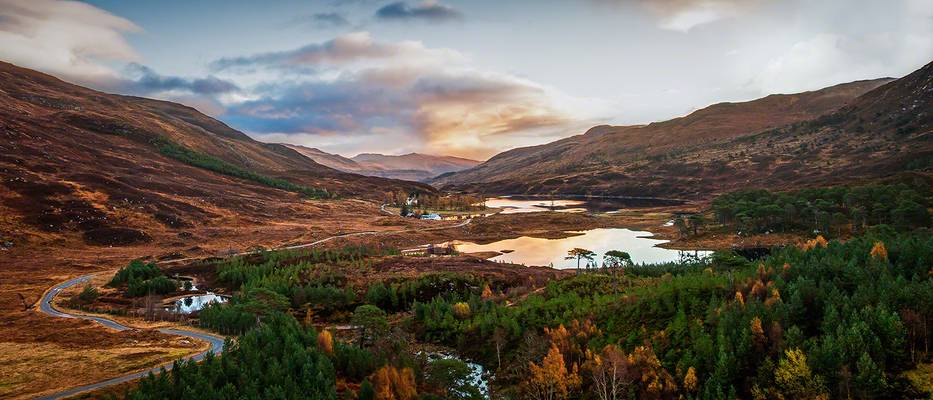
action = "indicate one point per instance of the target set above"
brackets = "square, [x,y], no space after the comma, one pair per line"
[412,166]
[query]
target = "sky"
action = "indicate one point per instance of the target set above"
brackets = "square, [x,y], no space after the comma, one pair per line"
[467,78]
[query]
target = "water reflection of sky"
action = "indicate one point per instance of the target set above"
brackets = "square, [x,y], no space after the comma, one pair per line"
[526,204]
[515,206]
[546,252]
[190,304]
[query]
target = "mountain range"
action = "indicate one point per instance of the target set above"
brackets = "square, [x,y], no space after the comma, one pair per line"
[845,133]
[412,166]
[113,168]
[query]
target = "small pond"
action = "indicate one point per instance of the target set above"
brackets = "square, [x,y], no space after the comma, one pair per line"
[526,204]
[479,376]
[190,304]
[552,252]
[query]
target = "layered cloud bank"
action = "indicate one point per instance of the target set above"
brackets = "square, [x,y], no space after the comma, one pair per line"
[355,90]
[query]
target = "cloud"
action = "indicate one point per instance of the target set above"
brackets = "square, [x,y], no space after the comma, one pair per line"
[86,45]
[845,52]
[143,80]
[439,104]
[427,11]
[344,49]
[684,15]
[329,20]
[70,39]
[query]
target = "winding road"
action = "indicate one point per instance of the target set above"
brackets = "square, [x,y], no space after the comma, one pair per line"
[47,307]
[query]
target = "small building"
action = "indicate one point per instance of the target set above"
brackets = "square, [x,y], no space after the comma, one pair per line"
[432,217]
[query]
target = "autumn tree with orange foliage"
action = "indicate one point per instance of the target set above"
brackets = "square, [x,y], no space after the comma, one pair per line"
[572,342]
[552,380]
[325,341]
[656,382]
[758,334]
[879,252]
[392,383]
[690,380]
[487,292]
[774,298]
[811,244]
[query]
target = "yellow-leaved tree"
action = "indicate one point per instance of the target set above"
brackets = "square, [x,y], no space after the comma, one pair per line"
[462,310]
[391,383]
[795,379]
[325,340]
[552,380]
[690,380]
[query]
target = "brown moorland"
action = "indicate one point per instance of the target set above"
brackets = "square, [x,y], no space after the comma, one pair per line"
[84,188]
[845,133]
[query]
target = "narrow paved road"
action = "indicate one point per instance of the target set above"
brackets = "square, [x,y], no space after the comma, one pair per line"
[216,342]
[46,307]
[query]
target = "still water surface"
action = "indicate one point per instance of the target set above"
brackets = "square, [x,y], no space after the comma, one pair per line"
[190,304]
[551,252]
[526,204]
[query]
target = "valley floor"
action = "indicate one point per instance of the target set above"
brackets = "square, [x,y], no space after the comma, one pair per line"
[42,355]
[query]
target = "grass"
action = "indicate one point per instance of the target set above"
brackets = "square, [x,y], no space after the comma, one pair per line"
[24,367]
[181,153]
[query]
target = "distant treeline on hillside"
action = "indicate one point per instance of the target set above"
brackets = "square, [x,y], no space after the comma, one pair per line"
[829,211]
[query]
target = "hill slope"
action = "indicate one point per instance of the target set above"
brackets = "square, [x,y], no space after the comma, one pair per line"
[412,166]
[775,141]
[334,161]
[114,167]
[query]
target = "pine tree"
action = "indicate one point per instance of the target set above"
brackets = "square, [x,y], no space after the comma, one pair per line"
[366,391]
[870,380]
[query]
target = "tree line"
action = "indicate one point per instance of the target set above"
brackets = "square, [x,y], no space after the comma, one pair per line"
[181,153]
[833,211]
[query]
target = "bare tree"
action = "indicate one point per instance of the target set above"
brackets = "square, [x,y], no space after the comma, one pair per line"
[499,338]
[612,373]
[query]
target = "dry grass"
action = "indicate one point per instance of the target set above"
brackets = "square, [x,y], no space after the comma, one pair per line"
[28,370]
